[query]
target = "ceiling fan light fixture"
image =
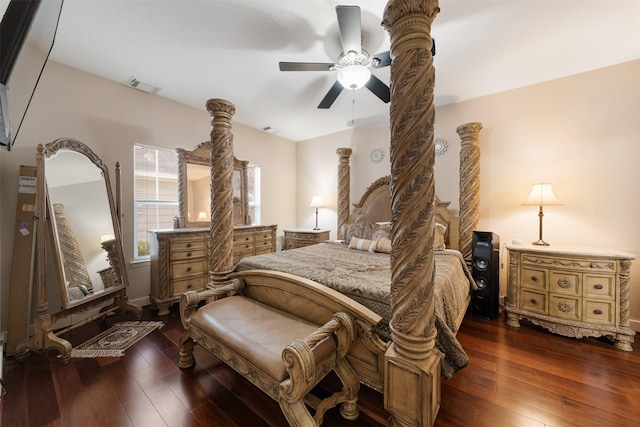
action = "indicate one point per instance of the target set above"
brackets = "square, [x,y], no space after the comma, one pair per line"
[354,76]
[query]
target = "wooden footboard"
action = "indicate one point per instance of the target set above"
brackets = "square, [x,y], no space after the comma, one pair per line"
[317,303]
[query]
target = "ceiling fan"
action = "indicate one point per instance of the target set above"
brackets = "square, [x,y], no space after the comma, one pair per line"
[354,63]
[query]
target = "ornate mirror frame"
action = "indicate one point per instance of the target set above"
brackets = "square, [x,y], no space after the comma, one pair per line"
[44,337]
[88,252]
[188,164]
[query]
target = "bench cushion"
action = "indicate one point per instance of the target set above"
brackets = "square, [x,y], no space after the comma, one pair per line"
[256,332]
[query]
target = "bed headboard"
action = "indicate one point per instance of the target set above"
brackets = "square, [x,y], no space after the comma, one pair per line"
[375,206]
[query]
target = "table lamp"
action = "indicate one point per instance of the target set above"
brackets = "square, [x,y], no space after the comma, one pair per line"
[316,202]
[541,195]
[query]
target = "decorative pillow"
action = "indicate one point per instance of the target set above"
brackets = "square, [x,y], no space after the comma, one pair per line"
[353,230]
[381,230]
[383,245]
[439,230]
[367,230]
[362,244]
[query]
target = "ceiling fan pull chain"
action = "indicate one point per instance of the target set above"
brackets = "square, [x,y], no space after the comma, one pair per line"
[353,103]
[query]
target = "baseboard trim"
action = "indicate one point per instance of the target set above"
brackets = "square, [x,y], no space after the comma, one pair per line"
[635,325]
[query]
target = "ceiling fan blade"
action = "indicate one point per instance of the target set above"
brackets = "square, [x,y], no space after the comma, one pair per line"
[331,96]
[306,66]
[379,89]
[382,59]
[350,28]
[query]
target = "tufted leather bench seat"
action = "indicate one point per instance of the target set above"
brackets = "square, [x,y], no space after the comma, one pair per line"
[257,324]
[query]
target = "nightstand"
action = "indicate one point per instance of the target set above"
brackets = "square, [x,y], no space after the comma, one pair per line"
[298,238]
[571,291]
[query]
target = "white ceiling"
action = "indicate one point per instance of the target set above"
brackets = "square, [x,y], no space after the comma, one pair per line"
[197,50]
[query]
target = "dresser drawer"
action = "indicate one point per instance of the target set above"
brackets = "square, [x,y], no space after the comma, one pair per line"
[187,245]
[263,245]
[294,244]
[601,312]
[565,282]
[302,237]
[187,255]
[264,250]
[242,239]
[189,268]
[533,301]
[534,278]
[263,238]
[564,307]
[599,286]
[193,284]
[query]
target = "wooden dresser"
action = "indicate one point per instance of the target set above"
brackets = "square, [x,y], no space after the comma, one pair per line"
[180,258]
[249,240]
[298,238]
[571,291]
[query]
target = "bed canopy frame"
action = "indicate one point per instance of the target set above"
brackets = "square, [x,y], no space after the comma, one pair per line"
[412,366]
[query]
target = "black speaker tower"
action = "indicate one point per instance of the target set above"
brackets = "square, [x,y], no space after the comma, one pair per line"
[485,267]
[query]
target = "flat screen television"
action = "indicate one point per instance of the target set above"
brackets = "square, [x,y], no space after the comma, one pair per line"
[27,32]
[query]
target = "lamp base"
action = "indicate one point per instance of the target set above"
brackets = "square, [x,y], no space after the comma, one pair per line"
[316,228]
[540,243]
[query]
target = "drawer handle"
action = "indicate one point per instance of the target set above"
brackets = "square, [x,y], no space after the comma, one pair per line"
[188,245]
[533,301]
[564,283]
[598,286]
[188,269]
[597,311]
[188,253]
[189,286]
[534,279]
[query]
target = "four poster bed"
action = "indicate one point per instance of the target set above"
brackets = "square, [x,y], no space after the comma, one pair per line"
[358,266]
[407,368]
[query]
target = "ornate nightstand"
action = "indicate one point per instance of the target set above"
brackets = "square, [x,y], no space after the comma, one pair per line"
[298,238]
[571,291]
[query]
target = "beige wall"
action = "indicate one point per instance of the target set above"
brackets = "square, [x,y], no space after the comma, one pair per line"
[110,118]
[579,133]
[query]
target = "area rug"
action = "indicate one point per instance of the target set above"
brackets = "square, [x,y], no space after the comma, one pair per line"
[115,340]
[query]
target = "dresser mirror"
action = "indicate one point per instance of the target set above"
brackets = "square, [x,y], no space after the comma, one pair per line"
[194,183]
[83,224]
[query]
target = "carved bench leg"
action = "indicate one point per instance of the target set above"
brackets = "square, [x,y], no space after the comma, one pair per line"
[351,387]
[348,396]
[186,351]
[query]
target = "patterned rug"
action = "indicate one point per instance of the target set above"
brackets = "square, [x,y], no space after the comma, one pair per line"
[115,340]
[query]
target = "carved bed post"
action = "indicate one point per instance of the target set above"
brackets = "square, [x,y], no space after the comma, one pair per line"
[344,185]
[469,184]
[221,163]
[412,366]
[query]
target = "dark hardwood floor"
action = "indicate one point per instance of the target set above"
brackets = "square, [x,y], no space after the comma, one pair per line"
[517,377]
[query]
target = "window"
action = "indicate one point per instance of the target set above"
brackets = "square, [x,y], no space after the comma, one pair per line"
[156,193]
[253,184]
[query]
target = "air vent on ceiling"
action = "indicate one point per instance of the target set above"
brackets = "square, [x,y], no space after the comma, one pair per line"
[270,129]
[145,87]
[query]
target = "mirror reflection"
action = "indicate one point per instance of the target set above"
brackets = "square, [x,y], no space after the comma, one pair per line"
[194,183]
[82,227]
[199,196]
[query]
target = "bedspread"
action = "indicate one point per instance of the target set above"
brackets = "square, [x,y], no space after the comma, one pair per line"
[366,277]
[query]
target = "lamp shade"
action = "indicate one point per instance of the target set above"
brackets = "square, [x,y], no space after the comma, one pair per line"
[316,202]
[541,195]
[353,77]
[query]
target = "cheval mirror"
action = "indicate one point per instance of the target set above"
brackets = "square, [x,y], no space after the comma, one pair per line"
[85,235]
[194,183]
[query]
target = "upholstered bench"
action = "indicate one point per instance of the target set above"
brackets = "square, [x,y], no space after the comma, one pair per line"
[275,330]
